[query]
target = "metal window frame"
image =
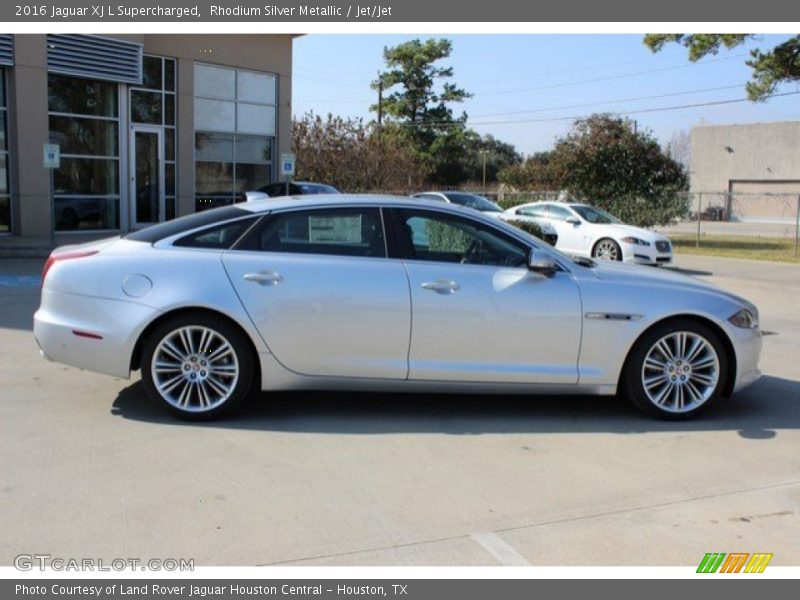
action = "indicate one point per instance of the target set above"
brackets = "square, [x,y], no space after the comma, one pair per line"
[122,170]
[273,139]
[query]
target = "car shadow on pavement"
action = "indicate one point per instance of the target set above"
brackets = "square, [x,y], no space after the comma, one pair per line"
[757,412]
[690,272]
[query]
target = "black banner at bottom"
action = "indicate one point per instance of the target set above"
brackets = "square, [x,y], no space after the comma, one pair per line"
[410,589]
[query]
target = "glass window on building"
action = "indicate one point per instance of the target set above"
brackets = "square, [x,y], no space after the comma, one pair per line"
[5,187]
[84,121]
[154,103]
[235,125]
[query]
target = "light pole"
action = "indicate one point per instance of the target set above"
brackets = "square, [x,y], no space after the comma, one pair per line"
[484,152]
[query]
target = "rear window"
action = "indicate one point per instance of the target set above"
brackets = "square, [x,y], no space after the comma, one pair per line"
[158,232]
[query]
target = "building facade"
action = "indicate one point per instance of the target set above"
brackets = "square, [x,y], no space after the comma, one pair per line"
[149,127]
[750,171]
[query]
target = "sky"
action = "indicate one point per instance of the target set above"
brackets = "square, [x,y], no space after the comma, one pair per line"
[528,88]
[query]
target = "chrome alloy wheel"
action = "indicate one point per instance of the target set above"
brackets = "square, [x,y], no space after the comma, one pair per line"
[607,250]
[195,368]
[680,372]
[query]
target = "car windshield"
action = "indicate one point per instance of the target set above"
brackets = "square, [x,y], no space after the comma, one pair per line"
[473,201]
[590,214]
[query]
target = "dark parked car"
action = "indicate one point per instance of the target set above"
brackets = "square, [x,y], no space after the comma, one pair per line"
[297,188]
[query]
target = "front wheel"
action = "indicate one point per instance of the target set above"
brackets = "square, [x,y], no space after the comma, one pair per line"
[607,249]
[197,366]
[675,370]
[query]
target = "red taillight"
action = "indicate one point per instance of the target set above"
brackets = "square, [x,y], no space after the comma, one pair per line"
[53,258]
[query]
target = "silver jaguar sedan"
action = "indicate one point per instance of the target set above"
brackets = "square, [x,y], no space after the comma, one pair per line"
[382,293]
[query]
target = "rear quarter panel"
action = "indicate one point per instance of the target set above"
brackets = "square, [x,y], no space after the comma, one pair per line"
[179,278]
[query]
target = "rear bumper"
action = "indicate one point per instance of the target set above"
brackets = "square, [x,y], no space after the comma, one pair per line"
[95,334]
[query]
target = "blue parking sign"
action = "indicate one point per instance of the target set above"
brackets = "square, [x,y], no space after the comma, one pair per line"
[287,164]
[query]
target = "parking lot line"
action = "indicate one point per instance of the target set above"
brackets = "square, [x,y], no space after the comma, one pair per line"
[500,549]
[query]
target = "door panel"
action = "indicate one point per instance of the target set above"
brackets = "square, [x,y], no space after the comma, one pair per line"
[479,314]
[570,235]
[495,324]
[322,294]
[323,315]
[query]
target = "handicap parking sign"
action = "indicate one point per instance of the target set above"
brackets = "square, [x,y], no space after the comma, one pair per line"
[287,164]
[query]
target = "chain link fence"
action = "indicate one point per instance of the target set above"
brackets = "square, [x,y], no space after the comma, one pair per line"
[756,219]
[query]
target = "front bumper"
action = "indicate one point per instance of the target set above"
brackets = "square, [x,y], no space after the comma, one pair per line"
[645,255]
[747,344]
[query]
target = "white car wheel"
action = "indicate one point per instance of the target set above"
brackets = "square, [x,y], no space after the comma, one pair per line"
[607,249]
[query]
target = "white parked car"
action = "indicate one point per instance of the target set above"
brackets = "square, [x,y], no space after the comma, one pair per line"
[384,294]
[487,207]
[585,230]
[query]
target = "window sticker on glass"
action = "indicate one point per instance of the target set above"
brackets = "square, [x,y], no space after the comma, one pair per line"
[335,230]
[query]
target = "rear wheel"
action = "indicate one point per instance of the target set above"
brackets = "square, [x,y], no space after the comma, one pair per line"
[676,370]
[607,249]
[197,366]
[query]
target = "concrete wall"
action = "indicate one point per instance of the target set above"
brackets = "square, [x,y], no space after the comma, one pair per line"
[27,117]
[751,171]
[28,120]
[753,152]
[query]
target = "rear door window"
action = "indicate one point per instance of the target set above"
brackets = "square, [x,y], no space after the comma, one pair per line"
[354,231]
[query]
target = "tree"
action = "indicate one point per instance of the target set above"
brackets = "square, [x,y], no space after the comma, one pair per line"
[679,148]
[350,155]
[770,68]
[411,100]
[605,162]
[533,174]
[498,156]
[411,66]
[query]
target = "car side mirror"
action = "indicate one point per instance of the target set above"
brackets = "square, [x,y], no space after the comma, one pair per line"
[540,262]
[574,221]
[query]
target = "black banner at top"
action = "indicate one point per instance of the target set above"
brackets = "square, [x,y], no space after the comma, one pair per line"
[442,11]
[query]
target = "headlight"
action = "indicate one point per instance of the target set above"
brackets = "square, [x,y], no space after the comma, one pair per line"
[635,241]
[745,319]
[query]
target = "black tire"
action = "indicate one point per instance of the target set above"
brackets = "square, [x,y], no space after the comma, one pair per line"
[631,382]
[244,360]
[596,249]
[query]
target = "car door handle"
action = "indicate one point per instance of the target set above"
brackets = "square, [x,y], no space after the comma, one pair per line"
[264,277]
[441,286]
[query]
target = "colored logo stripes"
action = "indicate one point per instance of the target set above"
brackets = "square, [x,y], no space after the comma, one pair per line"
[735,562]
